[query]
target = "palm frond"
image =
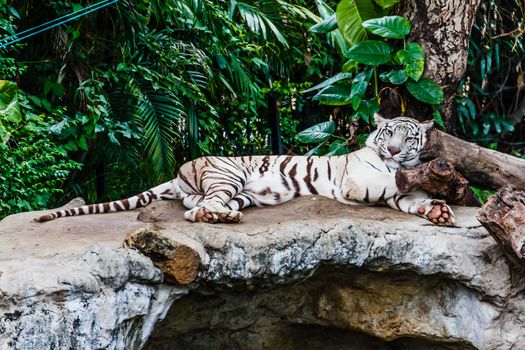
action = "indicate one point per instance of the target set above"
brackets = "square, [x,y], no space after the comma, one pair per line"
[257,20]
[159,111]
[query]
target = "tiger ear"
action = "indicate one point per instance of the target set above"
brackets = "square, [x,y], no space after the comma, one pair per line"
[378,118]
[427,125]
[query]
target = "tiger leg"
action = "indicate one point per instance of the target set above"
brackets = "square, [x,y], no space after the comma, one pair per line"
[418,203]
[240,201]
[219,190]
[375,187]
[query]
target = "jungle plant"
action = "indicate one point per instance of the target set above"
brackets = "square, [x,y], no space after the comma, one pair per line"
[148,85]
[490,100]
[32,167]
[387,56]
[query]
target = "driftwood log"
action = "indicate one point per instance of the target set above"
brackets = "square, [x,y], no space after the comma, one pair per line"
[178,261]
[439,179]
[482,167]
[454,164]
[504,217]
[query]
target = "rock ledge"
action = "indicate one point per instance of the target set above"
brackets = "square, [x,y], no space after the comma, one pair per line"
[312,274]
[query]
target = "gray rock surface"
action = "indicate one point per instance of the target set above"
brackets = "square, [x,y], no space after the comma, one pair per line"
[309,274]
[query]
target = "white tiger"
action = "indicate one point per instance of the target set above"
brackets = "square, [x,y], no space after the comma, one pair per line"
[215,189]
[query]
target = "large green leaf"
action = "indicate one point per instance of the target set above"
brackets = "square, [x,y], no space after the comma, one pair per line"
[367,108]
[334,95]
[9,107]
[395,77]
[371,52]
[359,85]
[317,133]
[317,150]
[425,90]
[350,16]
[393,27]
[329,81]
[386,3]
[413,58]
[337,148]
[325,26]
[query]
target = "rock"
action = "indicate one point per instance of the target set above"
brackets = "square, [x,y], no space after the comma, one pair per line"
[312,274]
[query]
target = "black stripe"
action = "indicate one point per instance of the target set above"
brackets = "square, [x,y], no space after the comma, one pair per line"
[152,195]
[382,198]
[187,182]
[373,166]
[307,179]
[366,199]
[295,183]
[396,201]
[282,167]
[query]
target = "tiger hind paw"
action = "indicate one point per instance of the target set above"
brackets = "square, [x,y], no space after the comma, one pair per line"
[204,214]
[438,212]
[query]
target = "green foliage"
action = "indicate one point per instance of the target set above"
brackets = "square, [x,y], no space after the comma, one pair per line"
[322,133]
[334,95]
[330,81]
[325,26]
[393,27]
[413,59]
[410,59]
[317,133]
[351,14]
[148,85]
[425,90]
[490,100]
[32,166]
[371,52]
[400,67]
[386,3]
[9,107]
[483,195]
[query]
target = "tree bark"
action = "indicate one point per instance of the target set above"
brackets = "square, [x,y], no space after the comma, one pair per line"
[482,167]
[439,179]
[442,28]
[504,217]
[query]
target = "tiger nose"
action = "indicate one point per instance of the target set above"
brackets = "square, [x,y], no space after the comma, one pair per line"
[393,150]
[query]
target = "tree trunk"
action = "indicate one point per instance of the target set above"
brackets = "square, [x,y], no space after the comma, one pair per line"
[442,28]
[504,217]
[482,167]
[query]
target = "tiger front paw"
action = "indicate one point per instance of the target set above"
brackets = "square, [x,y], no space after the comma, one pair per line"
[208,215]
[438,212]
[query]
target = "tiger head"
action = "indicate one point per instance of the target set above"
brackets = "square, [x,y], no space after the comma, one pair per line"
[398,141]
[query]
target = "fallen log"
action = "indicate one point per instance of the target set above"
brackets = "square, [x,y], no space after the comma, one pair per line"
[175,259]
[504,217]
[482,167]
[439,179]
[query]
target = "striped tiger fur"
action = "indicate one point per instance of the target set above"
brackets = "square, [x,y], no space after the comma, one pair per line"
[215,189]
